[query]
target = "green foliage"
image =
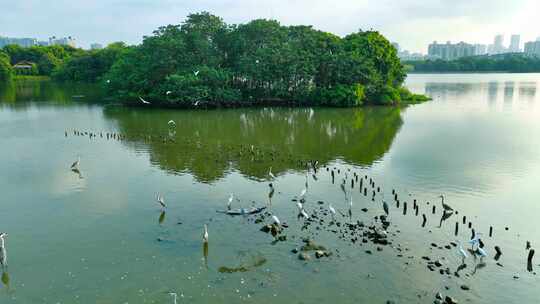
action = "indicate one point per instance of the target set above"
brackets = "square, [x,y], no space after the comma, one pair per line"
[255,63]
[47,58]
[89,66]
[6,71]
[516,63]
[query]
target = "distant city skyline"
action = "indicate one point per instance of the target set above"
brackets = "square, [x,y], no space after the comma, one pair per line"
[412,23]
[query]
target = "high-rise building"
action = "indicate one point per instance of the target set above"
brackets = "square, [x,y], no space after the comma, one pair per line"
[450,51]
[497,47]
[480,49]
[532,48]
[23,42]
[514,44]
[96,46]
[62,41]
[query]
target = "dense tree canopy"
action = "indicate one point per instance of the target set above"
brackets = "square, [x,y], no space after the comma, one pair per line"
[516,63]
[208,62]
[5,67]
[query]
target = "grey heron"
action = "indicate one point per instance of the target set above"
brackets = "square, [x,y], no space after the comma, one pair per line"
[76,163]
[445,206]
[385,207]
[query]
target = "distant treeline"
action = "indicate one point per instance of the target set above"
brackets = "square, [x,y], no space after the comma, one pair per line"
[514,63]
[206,62]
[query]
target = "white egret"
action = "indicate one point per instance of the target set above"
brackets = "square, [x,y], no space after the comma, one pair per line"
[332,210]
[231,197]
[205,234]
[161,200]
[303,193]
[108,81]
[171,123]
[276,220]
[481,252]
[461,251]
[271,174]
[143,101]
[174,295]
[196,73]
[3,251]
[76,163]
[168,92]
[445,206]
[475,240]
[196,103]
[300,206]
[304,213]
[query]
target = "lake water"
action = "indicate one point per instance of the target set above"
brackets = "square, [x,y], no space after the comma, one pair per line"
[98,236]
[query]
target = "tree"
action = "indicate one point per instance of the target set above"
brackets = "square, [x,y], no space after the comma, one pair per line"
[6,71]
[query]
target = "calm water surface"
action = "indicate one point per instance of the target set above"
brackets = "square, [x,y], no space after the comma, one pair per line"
[99,237]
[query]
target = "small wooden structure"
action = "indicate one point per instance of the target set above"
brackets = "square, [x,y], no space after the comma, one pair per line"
[24,67]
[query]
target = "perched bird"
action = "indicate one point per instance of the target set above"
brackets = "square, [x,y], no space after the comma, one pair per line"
[196,73]
[196,103]
[475,240]
[168,92]
[3,251]
[300,206]
[108,81]
[161,200]
[332,210]
[461,251]
[276,220]
[445,206]
[304,213]
[231,197]
[171,123]
[271,174]
[174,295]
[303,193]
[481,252]
[143,101]
[205,234]
[385,207]
[76,163]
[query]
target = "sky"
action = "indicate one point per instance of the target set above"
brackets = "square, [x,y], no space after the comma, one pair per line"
[412,23]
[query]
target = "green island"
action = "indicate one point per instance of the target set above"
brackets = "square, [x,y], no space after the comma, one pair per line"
[205,62]
[510,63]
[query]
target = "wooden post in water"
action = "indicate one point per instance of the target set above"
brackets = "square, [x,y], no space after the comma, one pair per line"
[464,220]
[352,183]
[433,209]
[530,257]
[416,214]
[424,219]
[490,231]
[456,230]
[365,191]
[404,208]
[470,225]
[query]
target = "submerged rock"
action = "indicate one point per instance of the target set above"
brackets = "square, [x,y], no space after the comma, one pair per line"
[302,256]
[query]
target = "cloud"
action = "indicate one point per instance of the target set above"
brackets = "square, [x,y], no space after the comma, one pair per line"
[413,23]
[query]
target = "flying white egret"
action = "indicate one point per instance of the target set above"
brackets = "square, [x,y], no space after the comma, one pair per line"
[76,163]
[174,295]
[445,206]
[161,200]
[143,101]
[205,234]
[196,73]
[231,197]
[276,220]
[3,251]
[271,174]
